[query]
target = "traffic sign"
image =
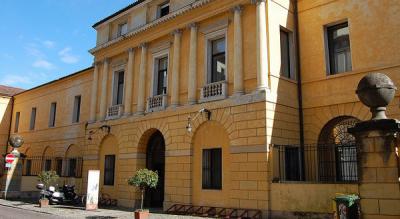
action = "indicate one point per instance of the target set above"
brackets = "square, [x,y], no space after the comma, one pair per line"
[10,158]
[8,165]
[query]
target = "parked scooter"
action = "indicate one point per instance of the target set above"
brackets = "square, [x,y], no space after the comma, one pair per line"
[66,194]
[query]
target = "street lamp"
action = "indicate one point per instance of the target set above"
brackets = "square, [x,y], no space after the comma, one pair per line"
[103,128]
[200,112]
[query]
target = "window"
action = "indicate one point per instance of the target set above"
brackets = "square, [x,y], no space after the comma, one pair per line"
[118,87]
[212,169]
[286,54]
[33,119]
[52,119]
[161,76]
[163,9]
[16,126]
[339,53]
[109,168]
[59,163]
[72,167]
[47,165]
[217,60]
[28,169]
[122,29]
[77,109]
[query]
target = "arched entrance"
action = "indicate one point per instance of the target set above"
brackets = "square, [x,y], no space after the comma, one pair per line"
[155,160]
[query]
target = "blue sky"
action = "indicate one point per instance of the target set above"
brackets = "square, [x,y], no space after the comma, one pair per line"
[42,40]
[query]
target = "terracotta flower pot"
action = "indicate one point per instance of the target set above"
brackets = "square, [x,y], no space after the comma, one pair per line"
[142,214]
[43,203]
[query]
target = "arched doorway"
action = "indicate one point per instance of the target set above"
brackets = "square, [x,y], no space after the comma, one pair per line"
[155,160]
[337,151]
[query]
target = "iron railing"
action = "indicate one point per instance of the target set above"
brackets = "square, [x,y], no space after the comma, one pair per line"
[65,167]
[316,163]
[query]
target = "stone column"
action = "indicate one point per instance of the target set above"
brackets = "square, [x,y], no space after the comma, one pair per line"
[142,79]
[129,82]
[103,97]
[238,52]
[175,68]
[192,82]
[262,48]
[93,98]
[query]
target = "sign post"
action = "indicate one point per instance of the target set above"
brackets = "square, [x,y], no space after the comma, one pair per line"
[92,198]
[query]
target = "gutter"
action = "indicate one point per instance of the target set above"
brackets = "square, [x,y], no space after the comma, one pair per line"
[299,88]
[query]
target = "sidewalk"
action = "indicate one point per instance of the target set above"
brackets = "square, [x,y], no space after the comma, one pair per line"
[67,211]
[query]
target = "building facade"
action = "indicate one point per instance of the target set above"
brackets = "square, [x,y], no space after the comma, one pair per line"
[236,104]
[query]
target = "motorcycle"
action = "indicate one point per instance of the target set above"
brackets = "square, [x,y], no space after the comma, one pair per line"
[66,194]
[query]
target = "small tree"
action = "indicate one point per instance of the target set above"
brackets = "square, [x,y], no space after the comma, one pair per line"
[48,178]
[144,178]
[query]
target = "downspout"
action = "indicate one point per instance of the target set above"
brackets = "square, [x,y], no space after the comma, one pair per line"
[299,89]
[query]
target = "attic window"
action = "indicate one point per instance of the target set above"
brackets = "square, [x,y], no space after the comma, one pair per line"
[163,9]
[122,29]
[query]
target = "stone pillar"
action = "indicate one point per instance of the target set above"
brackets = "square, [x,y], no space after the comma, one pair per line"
[129,83]
[175,68]
[379,168]
[93,98]
[262,48]
[238,52]
[11,186]
[192,82]
[103,100]
[142,80]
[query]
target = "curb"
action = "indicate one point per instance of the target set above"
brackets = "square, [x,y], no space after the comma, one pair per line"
[16,207]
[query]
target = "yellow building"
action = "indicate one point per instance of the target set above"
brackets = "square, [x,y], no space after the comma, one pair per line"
[264,82]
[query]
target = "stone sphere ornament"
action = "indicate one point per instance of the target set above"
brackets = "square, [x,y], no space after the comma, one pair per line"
[376,90]
[16,141]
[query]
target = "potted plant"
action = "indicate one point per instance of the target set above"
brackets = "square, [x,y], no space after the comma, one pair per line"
[46,178]
[143,179]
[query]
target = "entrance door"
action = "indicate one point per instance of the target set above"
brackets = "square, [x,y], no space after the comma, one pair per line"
[155,160]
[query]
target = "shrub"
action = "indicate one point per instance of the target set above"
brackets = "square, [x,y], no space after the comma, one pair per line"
[143,179]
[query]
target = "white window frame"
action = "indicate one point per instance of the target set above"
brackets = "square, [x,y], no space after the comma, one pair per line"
[120,25]
[156,56]
[115,71]
[209,37]
[292,53]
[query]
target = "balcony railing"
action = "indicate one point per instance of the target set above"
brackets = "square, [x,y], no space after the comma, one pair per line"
[214,91]
[114,112]
[331,163]
[156,103]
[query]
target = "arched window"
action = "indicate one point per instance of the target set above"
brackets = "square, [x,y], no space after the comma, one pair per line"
[337,151]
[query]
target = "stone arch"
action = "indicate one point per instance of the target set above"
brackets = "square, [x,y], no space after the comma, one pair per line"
[211,137]
[72,151]
[335,131]
[48,151]
[146,129]
[109,152]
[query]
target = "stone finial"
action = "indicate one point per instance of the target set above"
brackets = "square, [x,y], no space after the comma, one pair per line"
[376,90]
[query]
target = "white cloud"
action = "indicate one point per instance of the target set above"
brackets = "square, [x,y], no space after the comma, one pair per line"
[67,57]
[49,44]
[15,80]
[41,63]
[32,50]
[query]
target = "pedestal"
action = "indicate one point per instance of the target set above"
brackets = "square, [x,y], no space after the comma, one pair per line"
[12,178]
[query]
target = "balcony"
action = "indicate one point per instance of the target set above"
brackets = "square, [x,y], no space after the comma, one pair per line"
[214,91]
[156,103]
[114,112]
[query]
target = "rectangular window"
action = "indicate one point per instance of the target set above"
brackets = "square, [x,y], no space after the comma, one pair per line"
[53,110]
[77,109]
[122,29]
[16,125]
[28,169]
[33,119]
[72,167]
[118,88]
[47,165]
[162,70]
[109,168]
[212,169]
[285,54]
[59,162]
[217,60]
[163,9]
[339,48]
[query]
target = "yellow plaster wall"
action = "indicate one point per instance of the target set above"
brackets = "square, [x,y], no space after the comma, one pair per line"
[5,119]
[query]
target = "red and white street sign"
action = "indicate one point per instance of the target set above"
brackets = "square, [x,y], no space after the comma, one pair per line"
[10,158]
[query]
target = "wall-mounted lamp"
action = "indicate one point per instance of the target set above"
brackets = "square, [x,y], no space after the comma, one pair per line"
[103,128]
[200,112]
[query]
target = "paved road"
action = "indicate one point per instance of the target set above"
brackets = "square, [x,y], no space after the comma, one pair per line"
[14,213]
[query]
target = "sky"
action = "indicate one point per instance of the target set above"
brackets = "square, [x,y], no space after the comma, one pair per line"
[43,40]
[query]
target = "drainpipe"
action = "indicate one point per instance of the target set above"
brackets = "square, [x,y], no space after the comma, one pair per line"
[299,89]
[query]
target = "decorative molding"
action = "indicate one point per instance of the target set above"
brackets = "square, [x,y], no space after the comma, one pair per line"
[193,25]
[132,156]
[249,149]
[215,26]
[143,45]
[130,50]
[90,157]
[237,8]
[165,45]
[178,153]
[257,1]
[177,32]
